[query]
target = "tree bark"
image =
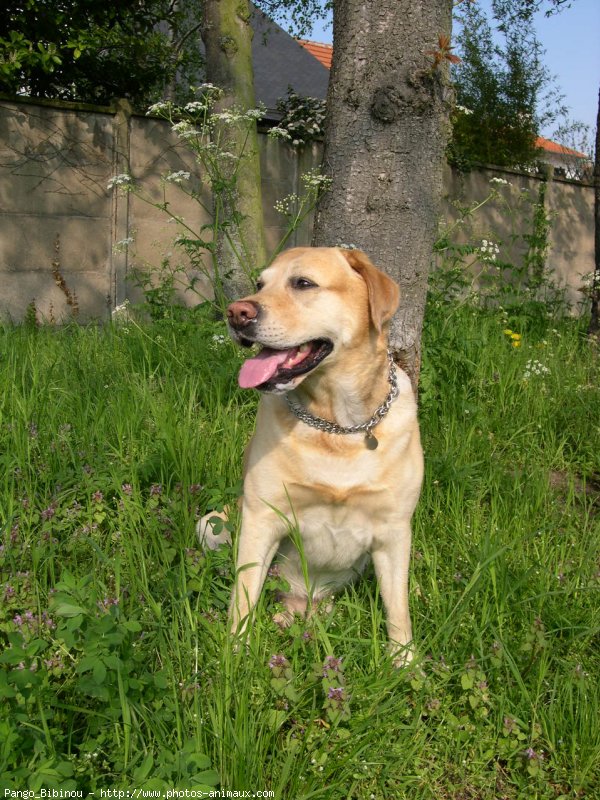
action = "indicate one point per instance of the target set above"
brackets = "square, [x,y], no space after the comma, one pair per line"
[240,246]
[594,327]
[387,128]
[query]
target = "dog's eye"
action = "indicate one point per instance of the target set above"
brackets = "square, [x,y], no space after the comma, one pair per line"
[303,283]
[259,285]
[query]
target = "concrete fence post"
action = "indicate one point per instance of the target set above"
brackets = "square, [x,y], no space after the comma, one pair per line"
[119,228]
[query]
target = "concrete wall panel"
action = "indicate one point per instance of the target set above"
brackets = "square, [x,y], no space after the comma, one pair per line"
[56,161]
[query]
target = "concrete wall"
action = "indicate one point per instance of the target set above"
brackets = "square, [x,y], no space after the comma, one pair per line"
[61,227]
[506,219]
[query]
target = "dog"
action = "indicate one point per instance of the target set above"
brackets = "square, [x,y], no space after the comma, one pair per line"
[336,453]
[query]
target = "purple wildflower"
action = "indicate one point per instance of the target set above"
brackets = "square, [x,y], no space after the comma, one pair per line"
[331,664]
[509,724]
[471,663]
[278,661]
[105,604]
[531,754]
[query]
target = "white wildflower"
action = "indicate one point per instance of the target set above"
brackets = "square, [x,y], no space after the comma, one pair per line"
[226,116]
[315,180]
[255,113]
[159,108]
[463,110]
[185,130]
[500,182]
[178,177]
[119,180]
[121,312]
[195,107]
[286,205]
[122,245]
[279,133]
[209,87]
[488,251]
[534,367]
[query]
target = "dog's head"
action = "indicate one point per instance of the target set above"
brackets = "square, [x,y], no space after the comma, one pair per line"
[310,305]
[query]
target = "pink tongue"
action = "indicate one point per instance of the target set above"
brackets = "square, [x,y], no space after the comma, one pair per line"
[259,369]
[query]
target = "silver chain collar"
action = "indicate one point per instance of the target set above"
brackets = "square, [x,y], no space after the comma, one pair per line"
[332,427]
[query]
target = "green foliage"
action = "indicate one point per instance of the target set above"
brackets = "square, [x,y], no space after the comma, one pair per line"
[117,669]
[215,188]
[302,118]
[95,52]
[509,273]
[503,93]
[296,16]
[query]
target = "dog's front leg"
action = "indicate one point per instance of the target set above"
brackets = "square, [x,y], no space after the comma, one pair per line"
[257,548]
[391,560]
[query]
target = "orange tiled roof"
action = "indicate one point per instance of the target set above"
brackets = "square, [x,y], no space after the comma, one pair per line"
[322,52]
[554,147]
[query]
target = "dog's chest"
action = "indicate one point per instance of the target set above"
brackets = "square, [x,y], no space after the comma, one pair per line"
[334,538]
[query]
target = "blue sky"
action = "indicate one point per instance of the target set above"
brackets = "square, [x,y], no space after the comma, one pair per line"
[572,43]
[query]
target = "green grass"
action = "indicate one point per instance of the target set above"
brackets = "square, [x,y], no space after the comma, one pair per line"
[116,669]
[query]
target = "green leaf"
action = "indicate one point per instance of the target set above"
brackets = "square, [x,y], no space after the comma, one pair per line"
[466,681]
[209,778]
[278,684]
[68,610]
[277,717]
[99,672]
[197,761]
[132,625]
[291,694]
[143,770]
[86,664]
[160,680]
[5,689]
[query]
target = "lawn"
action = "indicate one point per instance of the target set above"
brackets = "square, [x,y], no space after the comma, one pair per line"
[116,669]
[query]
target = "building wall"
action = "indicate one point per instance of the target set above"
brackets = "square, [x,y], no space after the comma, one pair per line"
[62,232]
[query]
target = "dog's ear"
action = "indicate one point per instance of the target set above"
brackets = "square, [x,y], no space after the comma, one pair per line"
[384,294]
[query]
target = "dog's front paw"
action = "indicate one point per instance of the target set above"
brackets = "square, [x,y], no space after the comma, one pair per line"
[402,654]
[283,619]
[211,531]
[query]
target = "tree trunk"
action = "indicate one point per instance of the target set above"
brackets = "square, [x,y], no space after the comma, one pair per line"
[594,328]
[240,247]
[386,134]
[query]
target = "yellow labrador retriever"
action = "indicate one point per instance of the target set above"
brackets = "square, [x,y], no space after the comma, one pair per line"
[336,451]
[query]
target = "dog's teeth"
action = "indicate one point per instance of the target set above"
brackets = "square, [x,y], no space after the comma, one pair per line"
[303,348]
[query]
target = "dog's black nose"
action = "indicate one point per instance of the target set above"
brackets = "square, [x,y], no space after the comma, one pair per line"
[241,313]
